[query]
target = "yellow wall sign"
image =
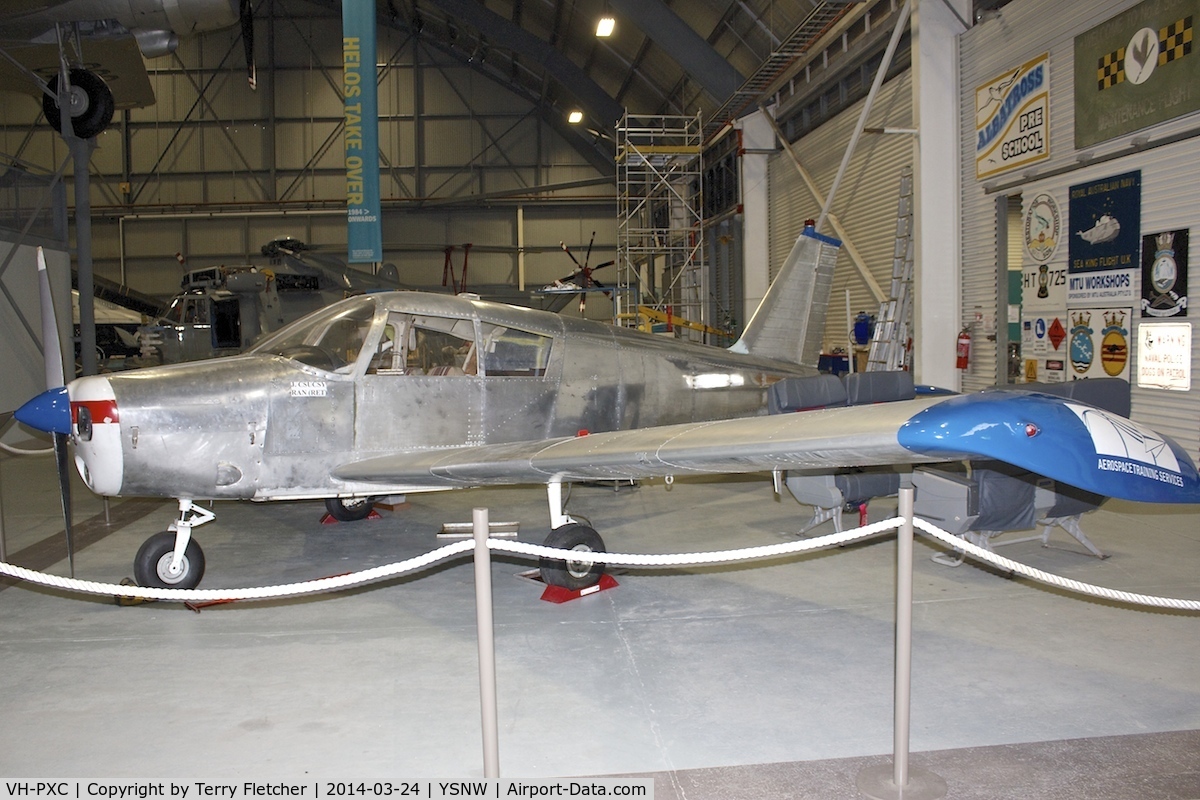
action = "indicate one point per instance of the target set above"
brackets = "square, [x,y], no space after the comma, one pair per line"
[1012,118]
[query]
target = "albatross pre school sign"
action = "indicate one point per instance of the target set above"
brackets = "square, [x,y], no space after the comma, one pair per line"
[1012,118]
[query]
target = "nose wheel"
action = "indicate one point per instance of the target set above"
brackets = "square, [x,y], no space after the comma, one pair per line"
[172,559]
[152,564]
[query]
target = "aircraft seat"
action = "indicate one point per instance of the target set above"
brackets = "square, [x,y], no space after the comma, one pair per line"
[803,394]
[830,493]
[994,498]
[852,389]
[1111,394]
[863,388]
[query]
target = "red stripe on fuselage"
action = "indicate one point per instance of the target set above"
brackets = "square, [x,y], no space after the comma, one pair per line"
[102,410]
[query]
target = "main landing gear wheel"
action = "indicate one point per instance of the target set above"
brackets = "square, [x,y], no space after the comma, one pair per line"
[90,104]
[349,509]
[573,573]
[152,564]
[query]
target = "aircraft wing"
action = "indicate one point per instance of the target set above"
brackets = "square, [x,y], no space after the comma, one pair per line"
[117,59]
[1056,437]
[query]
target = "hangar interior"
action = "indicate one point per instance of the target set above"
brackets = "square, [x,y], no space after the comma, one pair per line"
[501,131]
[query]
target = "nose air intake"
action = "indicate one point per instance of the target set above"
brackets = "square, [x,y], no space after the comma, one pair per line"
[50,411]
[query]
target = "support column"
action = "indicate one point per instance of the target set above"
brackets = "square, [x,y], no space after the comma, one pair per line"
[758,139]
[937,289]
[81,152]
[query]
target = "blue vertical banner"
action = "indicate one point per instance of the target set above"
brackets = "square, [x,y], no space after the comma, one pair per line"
[364,232]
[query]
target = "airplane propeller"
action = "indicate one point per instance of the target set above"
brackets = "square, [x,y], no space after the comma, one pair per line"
[246,13]
[584,272]
[51,410]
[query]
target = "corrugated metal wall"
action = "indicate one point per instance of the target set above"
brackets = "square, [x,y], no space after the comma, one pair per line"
[1170,178]
[866,202]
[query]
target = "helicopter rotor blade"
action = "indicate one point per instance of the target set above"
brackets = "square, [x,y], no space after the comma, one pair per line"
[588,256]
[567,250]
[246,14]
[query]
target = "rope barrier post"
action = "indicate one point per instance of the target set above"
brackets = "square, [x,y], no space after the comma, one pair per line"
[487,646]
[899,781]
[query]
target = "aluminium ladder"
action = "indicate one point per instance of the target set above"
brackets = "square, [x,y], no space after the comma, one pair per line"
[891,344]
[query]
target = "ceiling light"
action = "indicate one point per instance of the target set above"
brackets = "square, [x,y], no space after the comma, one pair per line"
[606,25]
[575,117]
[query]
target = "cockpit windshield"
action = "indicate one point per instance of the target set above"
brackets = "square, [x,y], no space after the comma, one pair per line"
[329,339]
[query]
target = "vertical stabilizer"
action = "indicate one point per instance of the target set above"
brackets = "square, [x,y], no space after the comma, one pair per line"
[790,321]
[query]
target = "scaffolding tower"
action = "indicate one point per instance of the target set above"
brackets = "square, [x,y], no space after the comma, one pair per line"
[661,261]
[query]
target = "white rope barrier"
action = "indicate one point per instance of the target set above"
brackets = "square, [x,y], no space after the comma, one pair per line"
[695,559]
[1069,584]
[337,582]
[330,584]
[17,451]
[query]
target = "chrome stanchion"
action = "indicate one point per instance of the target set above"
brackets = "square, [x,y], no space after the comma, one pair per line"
[487,646]
[899,781]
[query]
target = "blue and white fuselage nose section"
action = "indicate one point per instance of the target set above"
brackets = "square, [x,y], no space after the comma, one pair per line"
[1068,441]
[86,411]
[50,411]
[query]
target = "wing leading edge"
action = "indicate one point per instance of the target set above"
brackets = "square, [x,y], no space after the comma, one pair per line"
[1063,440]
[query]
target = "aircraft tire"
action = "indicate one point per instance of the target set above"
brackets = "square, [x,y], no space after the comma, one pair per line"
[349,509]
[572,574]
[93,115]
[153,557]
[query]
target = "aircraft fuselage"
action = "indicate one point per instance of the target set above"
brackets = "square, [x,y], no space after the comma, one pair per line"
[386,373]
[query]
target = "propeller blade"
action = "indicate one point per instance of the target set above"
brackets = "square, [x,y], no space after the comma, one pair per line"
[63,457]
[246,12]
[51,410]
[51,345]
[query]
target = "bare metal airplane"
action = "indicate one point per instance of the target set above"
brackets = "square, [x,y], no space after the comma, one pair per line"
[403,392]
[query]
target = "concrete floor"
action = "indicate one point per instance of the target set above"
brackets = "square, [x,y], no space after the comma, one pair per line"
[764,680]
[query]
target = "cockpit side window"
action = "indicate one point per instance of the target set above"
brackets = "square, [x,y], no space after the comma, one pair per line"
[191,309]
[196,311]
[515,353]
[442,346]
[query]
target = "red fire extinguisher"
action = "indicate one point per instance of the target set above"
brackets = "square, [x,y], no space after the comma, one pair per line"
[963,352]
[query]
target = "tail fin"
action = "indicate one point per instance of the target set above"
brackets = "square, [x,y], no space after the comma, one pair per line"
[790,320]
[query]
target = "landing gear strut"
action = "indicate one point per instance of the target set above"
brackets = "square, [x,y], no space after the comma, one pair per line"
[172,559]
[567,534]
